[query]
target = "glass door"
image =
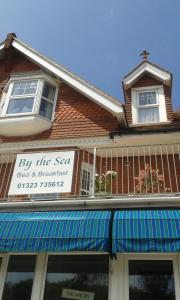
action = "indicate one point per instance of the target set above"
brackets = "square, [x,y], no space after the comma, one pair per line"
[151,280]
[19,277]
[80,277]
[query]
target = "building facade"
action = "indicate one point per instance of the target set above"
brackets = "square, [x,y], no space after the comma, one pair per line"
[89,187]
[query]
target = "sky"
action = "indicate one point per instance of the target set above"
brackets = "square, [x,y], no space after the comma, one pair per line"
[99,40]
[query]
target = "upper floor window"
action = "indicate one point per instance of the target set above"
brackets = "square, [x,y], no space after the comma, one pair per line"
[148,108]
[148,105]
[86,179]
[29,96]
[22,96]
[47,101]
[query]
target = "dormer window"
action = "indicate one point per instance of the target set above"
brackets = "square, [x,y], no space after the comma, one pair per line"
[147,90]
[27,105]
[148,105]
[148,108]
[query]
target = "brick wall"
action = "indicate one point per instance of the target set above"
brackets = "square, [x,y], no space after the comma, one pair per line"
[13,62]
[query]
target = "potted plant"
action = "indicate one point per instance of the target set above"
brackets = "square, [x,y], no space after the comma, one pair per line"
[103,182]
[150,181]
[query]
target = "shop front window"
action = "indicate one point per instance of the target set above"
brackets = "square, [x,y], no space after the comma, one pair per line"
[151,280]
[77,277]
[19,277]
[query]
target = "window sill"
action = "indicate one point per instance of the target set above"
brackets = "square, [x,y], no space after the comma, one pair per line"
[25,125]
[149,124]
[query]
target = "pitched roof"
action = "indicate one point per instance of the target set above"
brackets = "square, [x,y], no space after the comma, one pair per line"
[146,66]
[99,97]
[142,62]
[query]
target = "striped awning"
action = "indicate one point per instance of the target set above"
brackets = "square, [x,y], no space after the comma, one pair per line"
[55,231]
[146,231]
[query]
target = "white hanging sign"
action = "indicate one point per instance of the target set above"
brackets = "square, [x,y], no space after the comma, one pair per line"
[77,295]
[41,173]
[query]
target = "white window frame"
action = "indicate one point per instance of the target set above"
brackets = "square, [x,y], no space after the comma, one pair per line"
[160,103]
[148,105]
[9,96]
[4,267]
[41,269]
[118,288]
[89,168]
[172,257]
[3,271]
[42,78]
[43,281]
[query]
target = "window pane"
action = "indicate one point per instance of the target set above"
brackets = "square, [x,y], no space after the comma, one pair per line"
[48,91]
[78,273]
[147,98]
[24,87]
[151,280]
[148,115]
[19,278]
[46,108]
[21,105]
[85,180]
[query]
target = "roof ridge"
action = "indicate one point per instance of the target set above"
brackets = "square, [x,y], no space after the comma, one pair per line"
[116,101]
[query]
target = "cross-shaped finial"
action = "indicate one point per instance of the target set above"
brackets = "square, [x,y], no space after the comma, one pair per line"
[144,54]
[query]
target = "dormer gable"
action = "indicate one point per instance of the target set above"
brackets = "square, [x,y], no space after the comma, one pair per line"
[146,67]
[147,93]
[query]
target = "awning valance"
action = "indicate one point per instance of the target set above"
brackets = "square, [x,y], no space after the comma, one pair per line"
[55,231]
[146,231]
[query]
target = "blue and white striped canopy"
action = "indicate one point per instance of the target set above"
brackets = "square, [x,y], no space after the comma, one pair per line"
[55,231]
[132,231]
[146,231]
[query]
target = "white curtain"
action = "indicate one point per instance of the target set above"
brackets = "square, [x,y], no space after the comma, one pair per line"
[148,115]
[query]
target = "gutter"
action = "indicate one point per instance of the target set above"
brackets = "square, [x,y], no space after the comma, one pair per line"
[130,131]
[91,203]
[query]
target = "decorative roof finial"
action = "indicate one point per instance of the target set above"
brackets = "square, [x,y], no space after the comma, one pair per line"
[144,54]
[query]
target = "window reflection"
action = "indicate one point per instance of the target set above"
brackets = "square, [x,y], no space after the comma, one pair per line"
[79,273]
[19,278]
[21,105]
[151,280]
